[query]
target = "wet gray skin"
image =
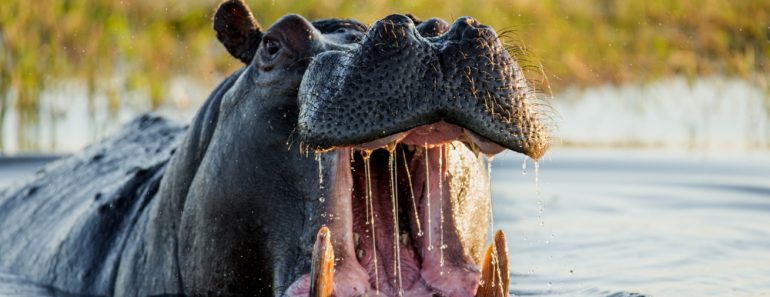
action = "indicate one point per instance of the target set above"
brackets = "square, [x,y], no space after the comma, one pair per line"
[399,79]
[221,207]
[230,205]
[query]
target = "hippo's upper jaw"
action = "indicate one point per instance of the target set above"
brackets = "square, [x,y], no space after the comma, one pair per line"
[406,114]
[403,76]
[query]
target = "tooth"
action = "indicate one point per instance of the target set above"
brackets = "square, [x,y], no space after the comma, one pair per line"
[405,238]
[494,269]
[357,239]
[468,140]
[472,147]
[322,269]
[360,254]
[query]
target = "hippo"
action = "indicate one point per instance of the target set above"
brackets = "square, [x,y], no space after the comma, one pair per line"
[342,159]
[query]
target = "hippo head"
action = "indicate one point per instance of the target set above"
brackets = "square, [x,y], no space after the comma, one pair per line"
[399,118]
[411,107]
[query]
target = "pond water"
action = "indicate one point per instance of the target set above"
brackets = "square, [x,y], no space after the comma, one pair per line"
[649,222]
[616,223]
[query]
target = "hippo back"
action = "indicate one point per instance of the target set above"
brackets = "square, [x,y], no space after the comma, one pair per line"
[67,225]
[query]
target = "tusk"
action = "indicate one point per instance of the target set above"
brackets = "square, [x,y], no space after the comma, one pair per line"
[494,269]
[322,269]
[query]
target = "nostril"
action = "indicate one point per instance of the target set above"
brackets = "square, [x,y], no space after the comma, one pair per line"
[398,19]
[466,22]
[460,26]
[432,27]
[467,28]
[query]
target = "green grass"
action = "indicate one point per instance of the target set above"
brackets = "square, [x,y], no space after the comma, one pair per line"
[578,43]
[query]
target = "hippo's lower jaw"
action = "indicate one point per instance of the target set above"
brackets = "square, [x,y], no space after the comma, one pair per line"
[390,216]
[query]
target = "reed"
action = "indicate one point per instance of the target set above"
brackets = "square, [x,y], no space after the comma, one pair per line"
[115,47]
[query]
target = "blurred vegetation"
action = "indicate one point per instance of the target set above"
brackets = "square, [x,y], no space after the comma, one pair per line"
[116,46]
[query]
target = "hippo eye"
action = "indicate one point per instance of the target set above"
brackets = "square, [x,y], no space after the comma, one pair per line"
[271,46]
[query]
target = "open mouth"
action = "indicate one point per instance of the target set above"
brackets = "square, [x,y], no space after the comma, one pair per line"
[392,226]
[406,116]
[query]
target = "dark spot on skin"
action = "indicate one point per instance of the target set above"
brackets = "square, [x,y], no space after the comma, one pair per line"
[32,190]
[97,157]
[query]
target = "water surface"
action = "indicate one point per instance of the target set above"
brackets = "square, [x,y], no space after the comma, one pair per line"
[650,222]
[614,223]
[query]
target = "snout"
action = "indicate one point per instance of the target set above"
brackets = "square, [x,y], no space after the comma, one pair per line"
[399,79]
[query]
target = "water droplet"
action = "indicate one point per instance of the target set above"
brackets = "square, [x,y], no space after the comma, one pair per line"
[539,196]
[411,191]
[427,198]
[320,170]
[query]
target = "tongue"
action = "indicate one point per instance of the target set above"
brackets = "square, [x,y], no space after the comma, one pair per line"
[446,267]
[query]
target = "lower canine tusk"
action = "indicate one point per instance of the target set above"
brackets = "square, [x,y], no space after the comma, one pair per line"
[494,269]
[322,269]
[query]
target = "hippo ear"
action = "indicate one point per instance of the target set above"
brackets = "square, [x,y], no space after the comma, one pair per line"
[237,29]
